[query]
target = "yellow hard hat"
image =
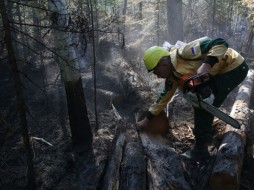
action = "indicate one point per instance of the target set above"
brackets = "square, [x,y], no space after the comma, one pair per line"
[153,55]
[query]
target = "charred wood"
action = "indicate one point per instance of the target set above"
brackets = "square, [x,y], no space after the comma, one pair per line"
[227,169]
[133,170]
[164,167]
[93,170]
[111,179]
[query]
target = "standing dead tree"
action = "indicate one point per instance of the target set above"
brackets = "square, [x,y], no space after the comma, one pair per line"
[68,62]
[19,94]
[175,24]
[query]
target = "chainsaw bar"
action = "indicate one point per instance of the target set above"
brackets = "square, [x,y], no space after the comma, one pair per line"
[215,111]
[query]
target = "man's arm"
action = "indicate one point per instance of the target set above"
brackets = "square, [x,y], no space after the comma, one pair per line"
[215,50]
[160,104]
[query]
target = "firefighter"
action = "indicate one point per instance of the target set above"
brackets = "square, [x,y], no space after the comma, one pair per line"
[226,66]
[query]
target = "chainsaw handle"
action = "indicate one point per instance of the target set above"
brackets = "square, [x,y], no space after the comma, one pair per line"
[196,81]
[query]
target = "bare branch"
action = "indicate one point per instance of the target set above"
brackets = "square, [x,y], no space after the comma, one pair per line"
[42,140]
[31,6]
[51,27]
[30,80]
[38,43]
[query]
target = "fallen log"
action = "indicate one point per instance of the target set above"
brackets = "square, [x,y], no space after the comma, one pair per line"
[133,169]
[91,173]
[111,179]
[164,168]
[228,164]
[127,165]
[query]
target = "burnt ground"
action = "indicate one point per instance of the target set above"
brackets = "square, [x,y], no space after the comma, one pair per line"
[50,133]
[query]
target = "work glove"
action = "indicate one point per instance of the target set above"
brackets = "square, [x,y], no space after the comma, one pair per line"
[142,124]
[206,94]
[209,99]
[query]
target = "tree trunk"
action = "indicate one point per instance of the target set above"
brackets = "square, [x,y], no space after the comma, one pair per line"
[165,170]
[248,41]
[111,179]
[19,95]
[77,111]
[133,171]
[79,122]
[124,7]
[157,12]
[175,20]
[227,168]
[93,171]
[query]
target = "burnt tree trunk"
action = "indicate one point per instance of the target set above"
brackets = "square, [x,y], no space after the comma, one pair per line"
[164,168]
[127,165]
[79,122]
[93,170]
[68,62]
[175,23]
[227,168]
[111,179]
[117,164]
[133,171]
[19,95]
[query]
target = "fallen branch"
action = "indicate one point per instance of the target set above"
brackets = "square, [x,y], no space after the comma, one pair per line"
[42,140]
[118,116]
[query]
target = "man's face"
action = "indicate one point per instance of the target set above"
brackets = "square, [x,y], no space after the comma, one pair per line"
[164,68]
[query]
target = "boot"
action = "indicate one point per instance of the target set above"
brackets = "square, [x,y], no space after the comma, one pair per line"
[199,152]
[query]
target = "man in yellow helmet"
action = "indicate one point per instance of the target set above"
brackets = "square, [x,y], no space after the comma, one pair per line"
[203,55]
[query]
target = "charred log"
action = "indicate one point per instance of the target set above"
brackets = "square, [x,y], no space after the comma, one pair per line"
[94,167]
[227,169]
[164,168]
[133,170]
[111,179]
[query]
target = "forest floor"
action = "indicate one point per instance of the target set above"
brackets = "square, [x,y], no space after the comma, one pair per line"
[54,159]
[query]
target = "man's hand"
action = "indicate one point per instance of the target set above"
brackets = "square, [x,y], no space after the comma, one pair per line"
[142,124]
[206,94]
[204,68]
[209,99]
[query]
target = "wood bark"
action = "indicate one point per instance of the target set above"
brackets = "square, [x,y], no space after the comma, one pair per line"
[68,62]
[79,122]
[93,170]
[164,167]
[117,164]
[227,168]
[19,95]
[124,7]
[111,179]
[175,21]
[133,170]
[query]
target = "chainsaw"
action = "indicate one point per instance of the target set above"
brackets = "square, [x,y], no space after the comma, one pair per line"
[192,87]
